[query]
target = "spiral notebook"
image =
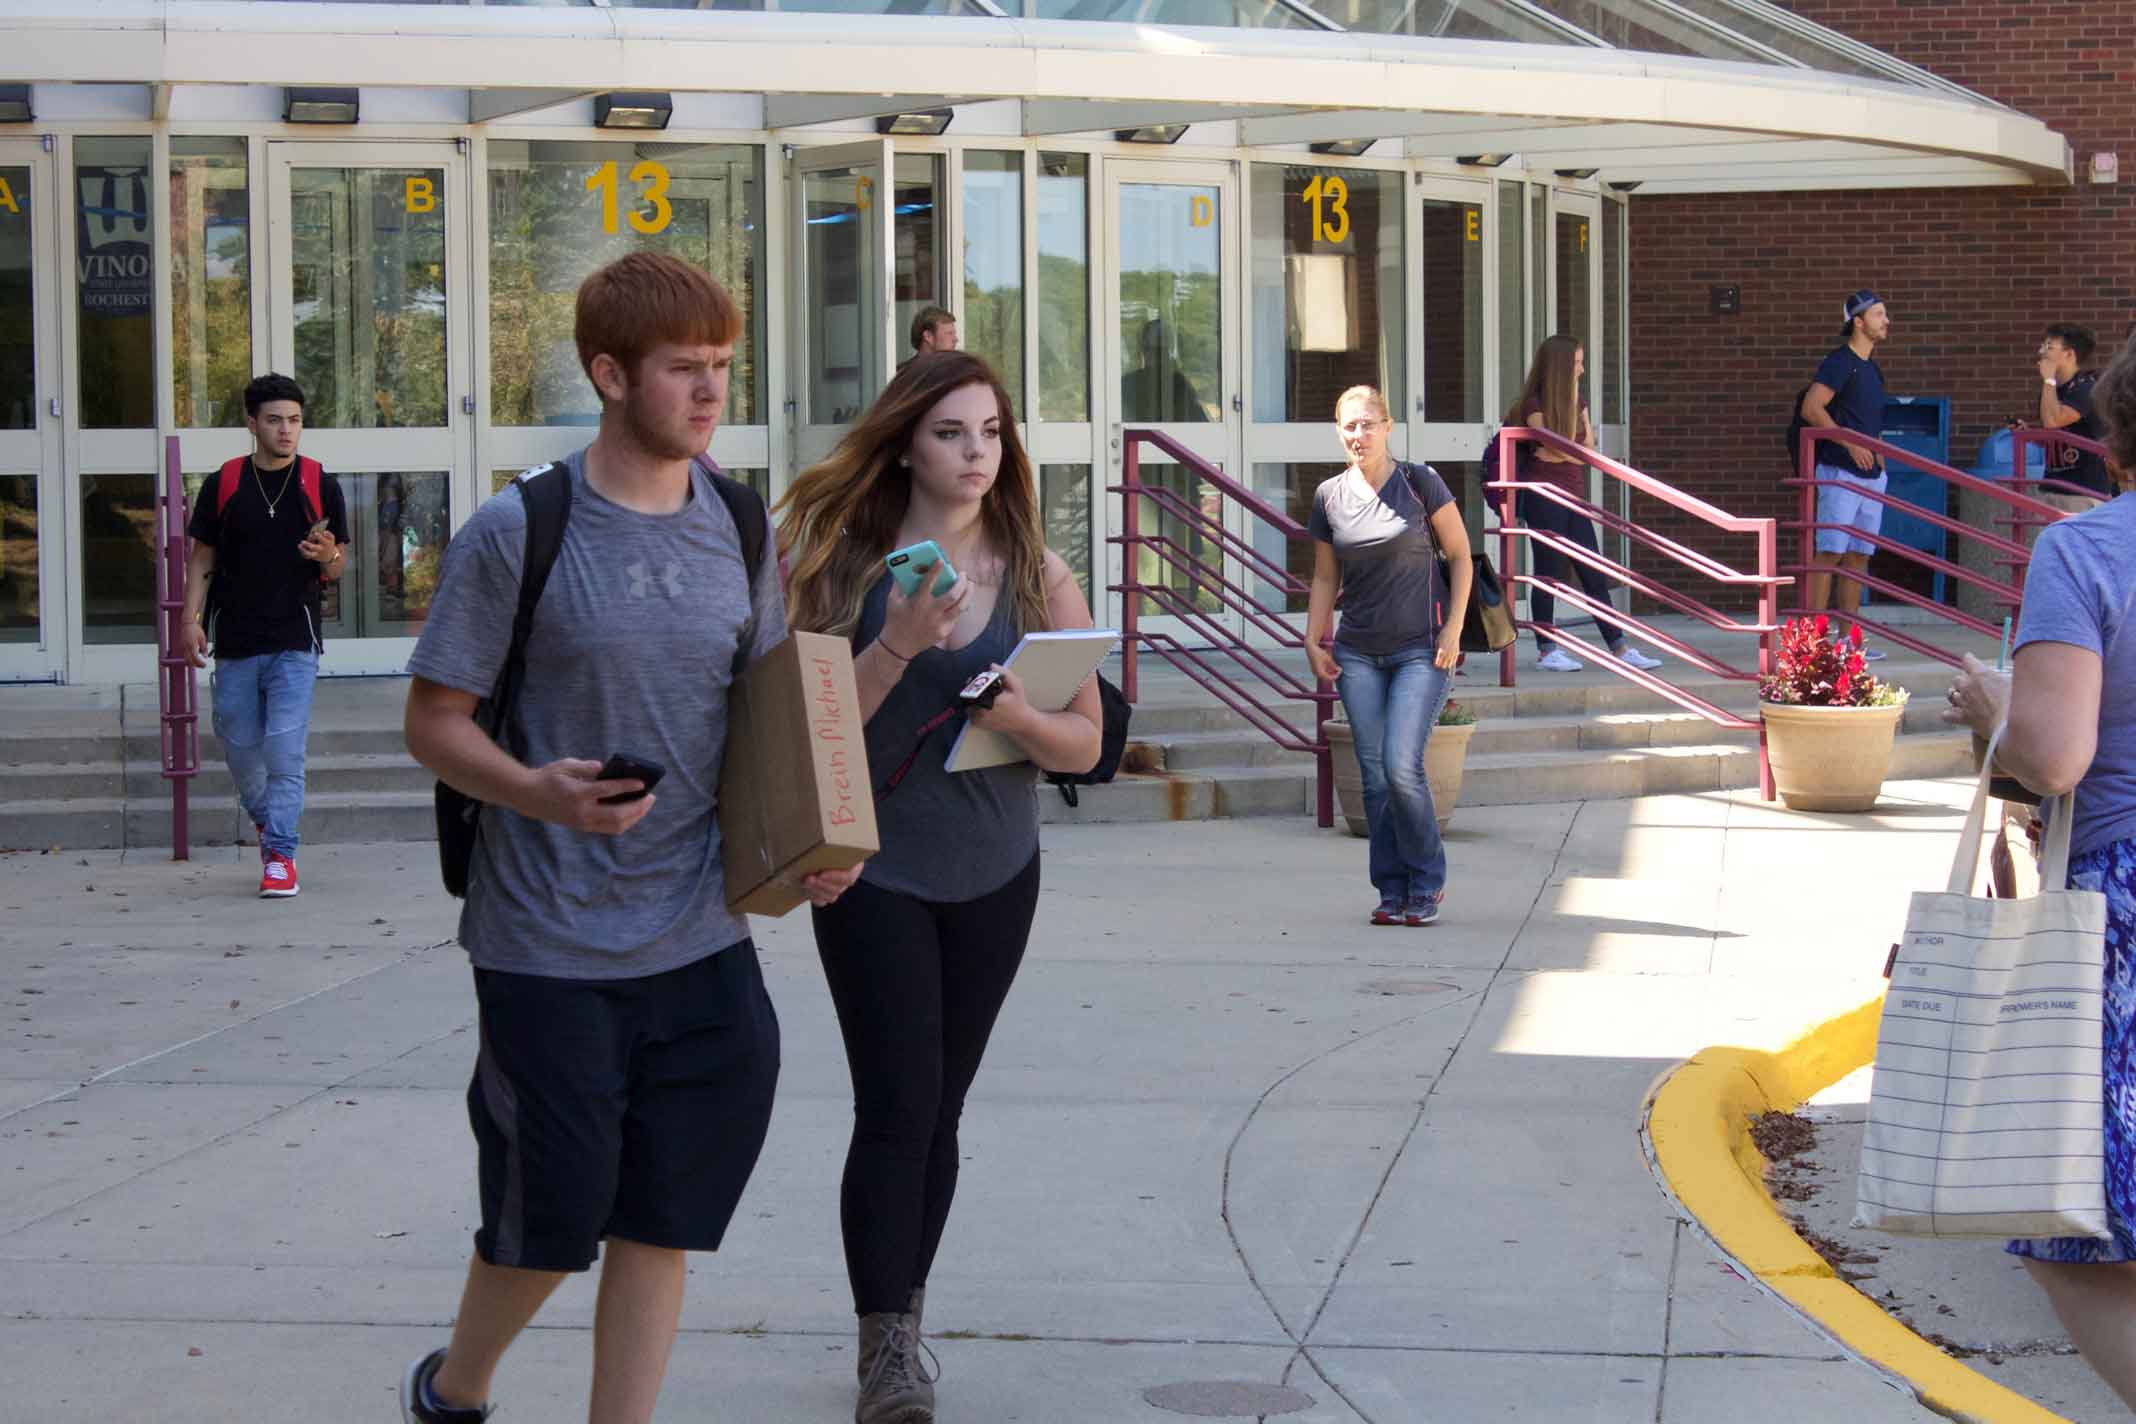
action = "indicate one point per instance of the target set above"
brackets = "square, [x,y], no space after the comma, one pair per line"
[1052,667]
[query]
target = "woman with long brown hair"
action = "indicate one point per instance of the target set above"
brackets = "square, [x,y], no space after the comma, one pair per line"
[921,953]
[1550,400]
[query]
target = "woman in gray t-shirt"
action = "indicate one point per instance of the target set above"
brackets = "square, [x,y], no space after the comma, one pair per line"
[2068,713]
[920,954]
[1379,530]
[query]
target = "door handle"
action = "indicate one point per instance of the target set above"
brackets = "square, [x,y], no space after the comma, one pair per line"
[467,405]
[53,406]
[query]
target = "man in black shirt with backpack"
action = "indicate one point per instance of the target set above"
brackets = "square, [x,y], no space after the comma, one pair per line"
[268,534]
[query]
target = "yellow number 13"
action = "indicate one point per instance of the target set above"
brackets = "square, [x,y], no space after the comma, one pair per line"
[653,212]
[1333,224]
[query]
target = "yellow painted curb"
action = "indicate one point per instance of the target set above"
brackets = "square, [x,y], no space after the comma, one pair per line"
[1698,1124]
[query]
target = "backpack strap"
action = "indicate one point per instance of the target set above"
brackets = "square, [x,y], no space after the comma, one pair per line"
[226,483]
[546,493]
[751,521]
[309,477]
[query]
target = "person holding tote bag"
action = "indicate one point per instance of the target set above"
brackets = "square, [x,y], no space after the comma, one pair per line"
[1380,530]
[2067,714]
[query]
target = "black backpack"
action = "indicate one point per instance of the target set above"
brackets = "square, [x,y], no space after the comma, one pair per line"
[1112,744]
[1795,426]
[548,503]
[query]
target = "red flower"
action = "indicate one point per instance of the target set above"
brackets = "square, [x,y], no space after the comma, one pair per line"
[1841,689]
[1855,633]
[1823,625]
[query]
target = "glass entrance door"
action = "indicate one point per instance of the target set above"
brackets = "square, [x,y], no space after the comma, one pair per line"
[843,275]
[32,641]
[369,311]
[1171,359]
[1455,407]
[32,638]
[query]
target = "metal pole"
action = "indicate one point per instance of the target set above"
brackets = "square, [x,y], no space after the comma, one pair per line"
[1806,470]
[1510,655]
[1768,616]
[1130,552]
[175,681]
[1323,766]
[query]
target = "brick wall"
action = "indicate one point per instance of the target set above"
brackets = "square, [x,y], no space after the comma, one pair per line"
[1971,275]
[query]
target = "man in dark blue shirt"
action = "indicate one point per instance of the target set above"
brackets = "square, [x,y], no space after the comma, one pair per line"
[1847,394]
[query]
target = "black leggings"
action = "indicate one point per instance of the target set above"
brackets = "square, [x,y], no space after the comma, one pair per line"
[1551,517]
[918,986]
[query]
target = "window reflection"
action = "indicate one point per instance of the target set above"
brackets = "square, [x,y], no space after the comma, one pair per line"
[1513,349]
[916,231]
[1171,320]
[118,558]
[1289,488]
[18,303]
[18,559]
[1327,287]
[1064,286]
[115,291]
[211,275]
[559,209]
[993,324]
[843,256]
[398,527]
[1064,494]
[367,283]
[1453,311]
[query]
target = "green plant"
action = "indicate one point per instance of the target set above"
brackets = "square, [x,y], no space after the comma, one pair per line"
[1453,714]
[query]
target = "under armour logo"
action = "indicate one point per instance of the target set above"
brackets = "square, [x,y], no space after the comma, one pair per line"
[641,578]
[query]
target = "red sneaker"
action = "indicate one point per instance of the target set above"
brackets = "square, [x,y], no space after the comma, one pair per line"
[278,878]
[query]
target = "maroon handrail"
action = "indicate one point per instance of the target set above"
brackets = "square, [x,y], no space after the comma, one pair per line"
[2022,440]
[2012,554]
[176,684]
[1767,580]
[1198,663]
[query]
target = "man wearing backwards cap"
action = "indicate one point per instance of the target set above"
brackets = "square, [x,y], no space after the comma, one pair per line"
[1848,394]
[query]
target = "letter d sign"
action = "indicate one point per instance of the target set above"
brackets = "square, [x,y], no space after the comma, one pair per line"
[1201,210]
[422,195]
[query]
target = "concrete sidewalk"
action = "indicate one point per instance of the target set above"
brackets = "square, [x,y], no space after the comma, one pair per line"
[1226,1132]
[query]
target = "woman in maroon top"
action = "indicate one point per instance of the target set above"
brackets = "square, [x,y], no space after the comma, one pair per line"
[1550,400]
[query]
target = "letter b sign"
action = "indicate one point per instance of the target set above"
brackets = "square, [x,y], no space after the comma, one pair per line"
[422,195]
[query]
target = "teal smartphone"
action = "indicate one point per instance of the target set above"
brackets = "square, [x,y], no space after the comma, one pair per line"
[910,564]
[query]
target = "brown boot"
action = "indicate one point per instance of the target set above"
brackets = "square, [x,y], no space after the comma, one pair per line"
[894,1387]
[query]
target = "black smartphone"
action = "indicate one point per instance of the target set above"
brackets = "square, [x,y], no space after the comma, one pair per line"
[629,768]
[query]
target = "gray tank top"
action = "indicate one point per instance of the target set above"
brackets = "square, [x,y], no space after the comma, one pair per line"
[946,836]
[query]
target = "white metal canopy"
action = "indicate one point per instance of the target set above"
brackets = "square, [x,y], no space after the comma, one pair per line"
[1672,122]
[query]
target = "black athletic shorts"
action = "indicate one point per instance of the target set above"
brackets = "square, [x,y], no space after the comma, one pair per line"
[619,1107]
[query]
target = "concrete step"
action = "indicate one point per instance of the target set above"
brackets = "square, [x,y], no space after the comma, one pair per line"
[72,823]
[332,817]
[323,775]
[61,781]
[1210,794]
[1236,747]
[382,739]
[1529,778]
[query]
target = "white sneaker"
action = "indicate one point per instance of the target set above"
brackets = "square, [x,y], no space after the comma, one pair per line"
[1558,660]
[1633,657]
[1874,655]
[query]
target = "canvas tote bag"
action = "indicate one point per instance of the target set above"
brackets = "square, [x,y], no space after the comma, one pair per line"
[1986,1112]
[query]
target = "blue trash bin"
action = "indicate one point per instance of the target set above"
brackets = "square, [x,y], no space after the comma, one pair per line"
[1921,425]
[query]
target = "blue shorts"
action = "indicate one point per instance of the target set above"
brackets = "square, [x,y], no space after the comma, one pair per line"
[1840,502]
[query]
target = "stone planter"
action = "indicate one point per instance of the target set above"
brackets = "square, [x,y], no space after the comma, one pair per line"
[1830,758]
[1445,758]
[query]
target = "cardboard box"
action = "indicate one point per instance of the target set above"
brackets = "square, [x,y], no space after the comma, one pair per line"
[794,795]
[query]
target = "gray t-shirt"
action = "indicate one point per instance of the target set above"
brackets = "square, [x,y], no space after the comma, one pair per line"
[631,651]
[2078,591]
[1393,593]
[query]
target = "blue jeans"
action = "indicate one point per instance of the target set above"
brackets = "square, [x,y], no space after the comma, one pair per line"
[263,715]
[1393,702]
